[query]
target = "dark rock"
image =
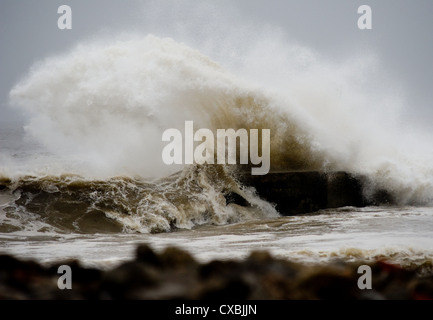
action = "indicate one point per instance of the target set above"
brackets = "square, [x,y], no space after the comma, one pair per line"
[173,257]
[308,191]
[422,289]
[328,284]
[19,273]
[219,268]
[4,183]
[223,280]
[145,254]
[381,197]
[292,192]
[127,279]
[344,190]
[392,280]
[175,274]
[224,289]
[233,197]
[260,256]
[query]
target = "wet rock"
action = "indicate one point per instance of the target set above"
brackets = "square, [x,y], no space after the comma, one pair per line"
[298,192]
[392,280]
[145,254]
[344,190]
[219,288]
[126,280]
[328,284]
[4,183]
[422,289]
[20,275]
[174,274]
[233,197]
[292,192]
[173,257]
[222,280]
[381,197]
[219,268]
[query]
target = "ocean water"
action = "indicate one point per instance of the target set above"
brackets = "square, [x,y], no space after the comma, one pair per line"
[60,230]
[83,176]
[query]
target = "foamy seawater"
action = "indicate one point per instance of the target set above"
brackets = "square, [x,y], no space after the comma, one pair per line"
[399,235]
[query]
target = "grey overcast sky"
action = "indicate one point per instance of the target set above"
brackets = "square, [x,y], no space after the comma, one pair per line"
[401,34]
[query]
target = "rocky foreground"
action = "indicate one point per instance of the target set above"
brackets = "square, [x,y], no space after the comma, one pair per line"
[175,274]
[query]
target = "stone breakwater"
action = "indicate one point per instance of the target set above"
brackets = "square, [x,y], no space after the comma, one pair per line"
[175,274]
[308,191]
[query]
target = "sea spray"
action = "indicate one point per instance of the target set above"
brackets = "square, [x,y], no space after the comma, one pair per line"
[107,105]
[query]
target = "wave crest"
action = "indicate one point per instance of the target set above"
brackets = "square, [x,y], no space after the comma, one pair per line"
[104,106]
